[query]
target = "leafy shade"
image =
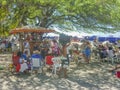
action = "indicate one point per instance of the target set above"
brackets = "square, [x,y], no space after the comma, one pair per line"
[64,39]
[69,15]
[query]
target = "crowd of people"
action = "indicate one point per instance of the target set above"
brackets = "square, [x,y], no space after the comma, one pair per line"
[106,49]
[74,51]
[43,49]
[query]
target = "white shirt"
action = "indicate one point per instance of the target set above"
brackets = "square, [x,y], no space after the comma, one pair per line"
[110,53]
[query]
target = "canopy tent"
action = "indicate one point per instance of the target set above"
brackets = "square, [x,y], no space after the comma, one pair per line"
[31,30]
[31,34]
[102,39]
[91,38]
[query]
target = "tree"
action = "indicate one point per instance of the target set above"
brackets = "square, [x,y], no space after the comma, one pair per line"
[64,39]
[102,15]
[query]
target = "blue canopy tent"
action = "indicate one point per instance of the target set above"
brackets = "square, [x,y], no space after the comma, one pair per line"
[91,38]
[111,39]
[101,39]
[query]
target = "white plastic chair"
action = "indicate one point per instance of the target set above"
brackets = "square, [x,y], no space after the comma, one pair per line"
[56,64]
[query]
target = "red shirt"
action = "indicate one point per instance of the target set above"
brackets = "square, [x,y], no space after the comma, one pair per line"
[15,59]
[49,60]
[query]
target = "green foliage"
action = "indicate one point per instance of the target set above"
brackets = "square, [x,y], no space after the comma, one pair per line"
[64,39]
[87,14]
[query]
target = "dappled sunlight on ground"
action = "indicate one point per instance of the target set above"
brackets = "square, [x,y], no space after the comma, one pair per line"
[96,75]
[93,76]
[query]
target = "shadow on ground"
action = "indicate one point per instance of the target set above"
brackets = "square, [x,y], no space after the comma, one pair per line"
[93,76]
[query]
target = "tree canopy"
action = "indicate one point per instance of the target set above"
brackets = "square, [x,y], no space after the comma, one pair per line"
[68,15]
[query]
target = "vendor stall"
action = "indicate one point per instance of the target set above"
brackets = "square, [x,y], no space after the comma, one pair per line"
[30,34]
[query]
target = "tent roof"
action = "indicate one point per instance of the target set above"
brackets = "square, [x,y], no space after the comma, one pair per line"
[31,29]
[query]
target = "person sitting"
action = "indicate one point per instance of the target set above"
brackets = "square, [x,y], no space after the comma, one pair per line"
[15,58]
[36,47]
[15,61]
[27,58]
[23,64]
[48,60]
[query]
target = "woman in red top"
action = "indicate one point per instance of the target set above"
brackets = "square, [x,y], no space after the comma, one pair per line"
[15,59]
[48,59]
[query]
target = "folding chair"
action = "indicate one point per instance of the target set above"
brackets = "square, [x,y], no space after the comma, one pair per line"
[36,63]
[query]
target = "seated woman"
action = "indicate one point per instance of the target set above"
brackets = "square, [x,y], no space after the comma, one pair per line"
[27,58]
[48,59]
[23,64]
[15,58]
[15,61]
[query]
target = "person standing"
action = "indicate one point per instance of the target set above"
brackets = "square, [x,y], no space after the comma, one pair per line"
[26,46]
[87,51]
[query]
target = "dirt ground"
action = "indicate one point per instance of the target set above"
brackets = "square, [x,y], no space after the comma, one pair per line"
[92,76]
